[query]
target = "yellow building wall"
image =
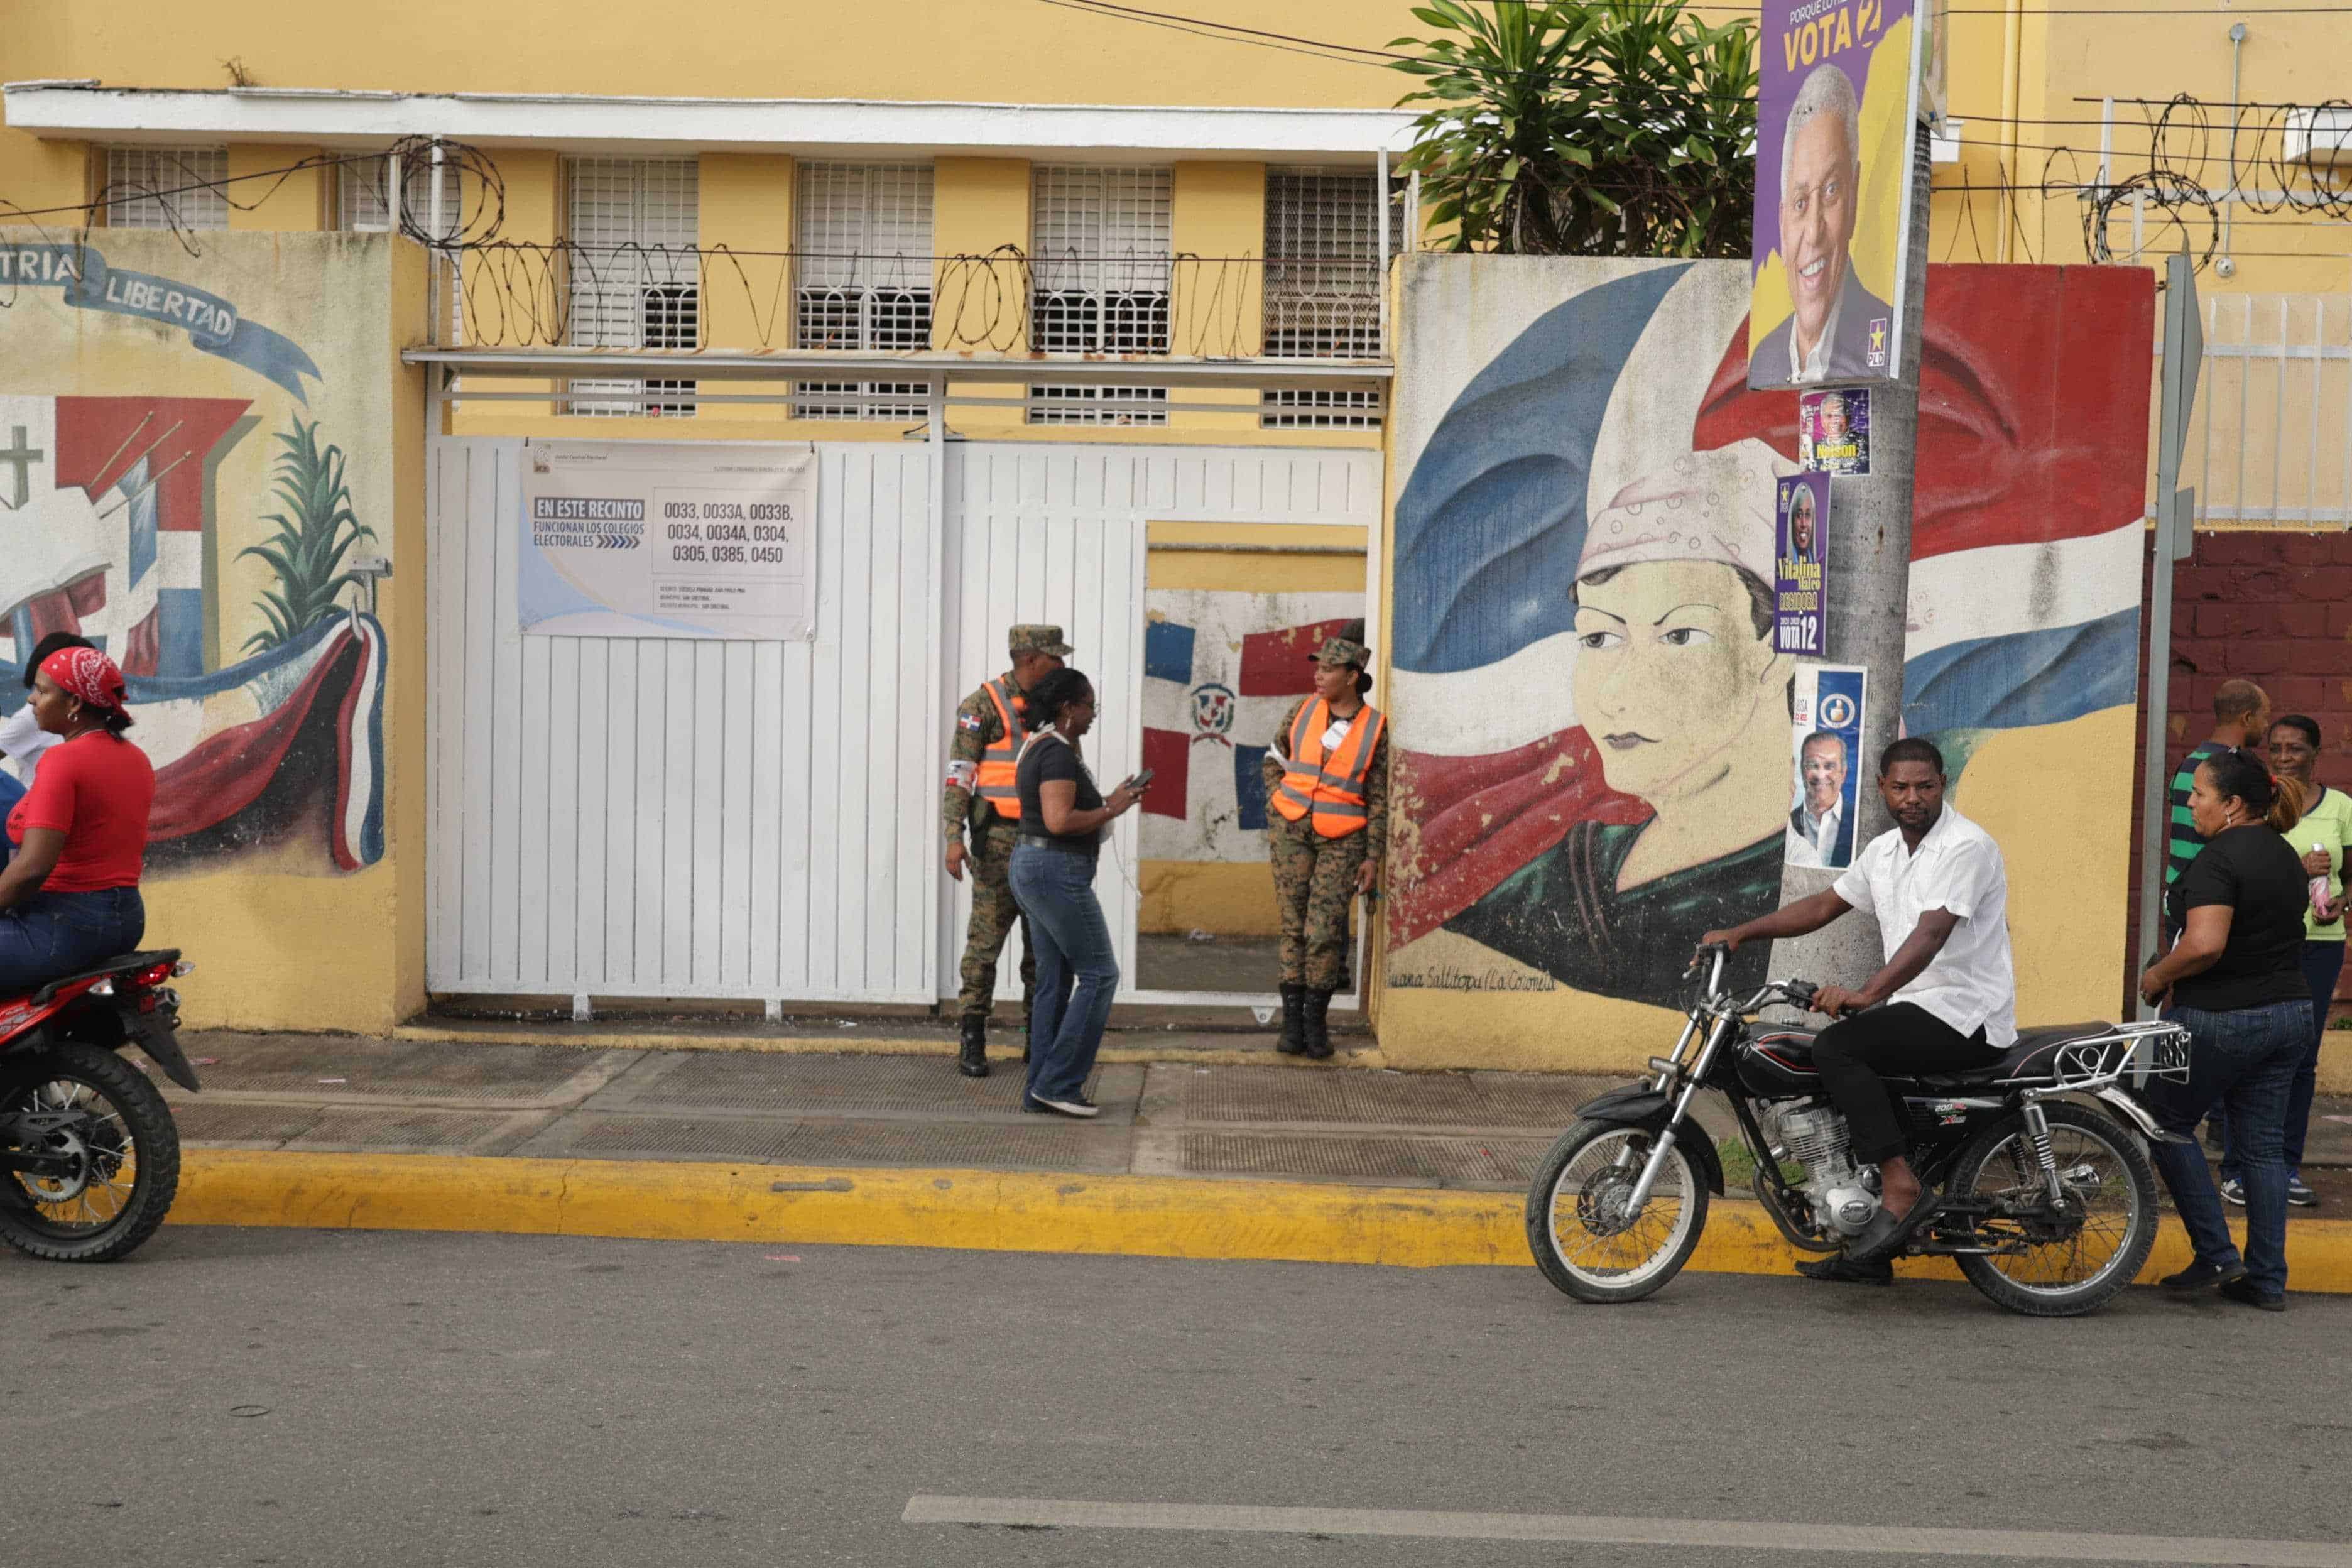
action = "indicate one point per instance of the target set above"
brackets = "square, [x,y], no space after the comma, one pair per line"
[283,936]
[746,204]
[2030,80]
[290,202]
[980,207]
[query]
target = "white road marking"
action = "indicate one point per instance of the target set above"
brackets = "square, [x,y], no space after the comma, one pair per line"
[1726,1535]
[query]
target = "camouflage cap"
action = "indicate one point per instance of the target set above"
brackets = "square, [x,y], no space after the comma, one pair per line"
[1039,639]
[1340,650]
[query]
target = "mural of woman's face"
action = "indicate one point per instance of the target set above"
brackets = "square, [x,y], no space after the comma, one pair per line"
[1671,674]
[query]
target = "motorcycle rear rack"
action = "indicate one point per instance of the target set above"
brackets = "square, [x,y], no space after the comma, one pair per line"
[2136,1051]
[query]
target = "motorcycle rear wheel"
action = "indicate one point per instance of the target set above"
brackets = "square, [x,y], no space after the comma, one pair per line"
[128,1148]
[1583,1243]
[2118,1191]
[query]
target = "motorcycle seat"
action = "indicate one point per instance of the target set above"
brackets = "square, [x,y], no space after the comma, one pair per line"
[115,965]
[2031,1057]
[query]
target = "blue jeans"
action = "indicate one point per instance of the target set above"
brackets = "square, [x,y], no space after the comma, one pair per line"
[51,935]
[2243,1060]
[1077,969]
[2323,962]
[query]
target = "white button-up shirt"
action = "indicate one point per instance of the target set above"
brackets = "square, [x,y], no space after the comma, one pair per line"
[1957,867]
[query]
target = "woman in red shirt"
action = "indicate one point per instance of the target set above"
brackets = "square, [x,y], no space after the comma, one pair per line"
[69,898]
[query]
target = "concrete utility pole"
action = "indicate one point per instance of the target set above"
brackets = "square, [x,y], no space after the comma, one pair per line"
[1869,580]
[2176,537]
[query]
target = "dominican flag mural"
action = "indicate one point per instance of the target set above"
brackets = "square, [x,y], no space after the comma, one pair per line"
[1221,669]
[1592,723]
[105,533]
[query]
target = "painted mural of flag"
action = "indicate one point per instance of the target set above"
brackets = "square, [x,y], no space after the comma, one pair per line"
[2026,544]
[103,534]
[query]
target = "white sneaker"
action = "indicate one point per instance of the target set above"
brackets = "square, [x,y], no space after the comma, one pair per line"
[1077,1108]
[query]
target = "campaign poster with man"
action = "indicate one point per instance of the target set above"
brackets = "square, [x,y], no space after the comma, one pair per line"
[1825,733]
[1834,109]
[1833,432]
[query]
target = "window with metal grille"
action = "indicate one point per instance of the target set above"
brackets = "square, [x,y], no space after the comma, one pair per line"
[361,187]
[635,276]
[1102,265]
[1322,262]
[1319,408]
[150,187]
[864,272]
[363,184]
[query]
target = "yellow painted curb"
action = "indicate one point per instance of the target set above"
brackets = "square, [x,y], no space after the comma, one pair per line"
[1150,1216]
[848,1043]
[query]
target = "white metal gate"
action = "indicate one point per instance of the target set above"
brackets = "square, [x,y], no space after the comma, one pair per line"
[677,817]
[1057,533]
[672,817]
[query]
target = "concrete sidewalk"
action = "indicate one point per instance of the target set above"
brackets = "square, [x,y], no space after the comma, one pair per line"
[1263,1158]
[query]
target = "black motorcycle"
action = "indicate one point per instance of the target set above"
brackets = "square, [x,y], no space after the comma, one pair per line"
[2048,1200]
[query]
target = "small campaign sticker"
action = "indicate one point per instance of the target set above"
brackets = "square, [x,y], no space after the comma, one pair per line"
[1876,358]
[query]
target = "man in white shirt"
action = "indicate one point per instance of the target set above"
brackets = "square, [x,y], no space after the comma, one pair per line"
[1945,998]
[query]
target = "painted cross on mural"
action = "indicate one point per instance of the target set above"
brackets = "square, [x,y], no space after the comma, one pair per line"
[111,537]
[20,457]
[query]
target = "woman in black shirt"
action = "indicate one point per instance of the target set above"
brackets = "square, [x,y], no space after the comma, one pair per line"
[1063,819]
[2235,979]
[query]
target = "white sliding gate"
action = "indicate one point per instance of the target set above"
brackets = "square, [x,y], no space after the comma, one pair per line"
[674,818]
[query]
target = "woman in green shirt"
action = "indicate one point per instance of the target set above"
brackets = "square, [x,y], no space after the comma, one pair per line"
[2321,838]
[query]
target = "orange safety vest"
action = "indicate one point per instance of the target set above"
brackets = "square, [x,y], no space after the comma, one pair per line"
[995,777]
[1331,787]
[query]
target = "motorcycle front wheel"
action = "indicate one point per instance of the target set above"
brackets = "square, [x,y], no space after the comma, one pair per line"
[1577,1226]
[2110,1189]
[117,1134]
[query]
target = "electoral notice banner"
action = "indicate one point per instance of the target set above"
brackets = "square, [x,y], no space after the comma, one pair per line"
[668,538]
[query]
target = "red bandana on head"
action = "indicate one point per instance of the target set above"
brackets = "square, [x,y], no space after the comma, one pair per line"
[86,673]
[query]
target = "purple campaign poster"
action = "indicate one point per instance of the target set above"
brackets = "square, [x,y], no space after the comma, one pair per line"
[1839,95]
[1833,431]
[1800,510]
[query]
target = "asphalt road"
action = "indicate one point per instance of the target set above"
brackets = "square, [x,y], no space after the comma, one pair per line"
[352,1398]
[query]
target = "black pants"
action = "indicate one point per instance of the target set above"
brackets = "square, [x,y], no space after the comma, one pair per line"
[1901,1037]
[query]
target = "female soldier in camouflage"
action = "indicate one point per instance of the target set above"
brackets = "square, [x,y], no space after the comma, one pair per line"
[1327,781]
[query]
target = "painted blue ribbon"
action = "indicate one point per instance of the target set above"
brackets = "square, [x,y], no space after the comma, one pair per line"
[213,324]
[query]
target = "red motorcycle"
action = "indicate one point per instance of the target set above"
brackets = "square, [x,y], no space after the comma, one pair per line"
[89,1157]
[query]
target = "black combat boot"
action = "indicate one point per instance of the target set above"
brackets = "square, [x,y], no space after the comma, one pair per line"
[1318,1024]
[973,1059]
[1294,1020]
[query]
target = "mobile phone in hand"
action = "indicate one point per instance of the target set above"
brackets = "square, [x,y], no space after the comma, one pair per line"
[1140,782]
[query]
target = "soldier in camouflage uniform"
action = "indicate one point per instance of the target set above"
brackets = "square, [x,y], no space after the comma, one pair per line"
[979,795]
[1327,836]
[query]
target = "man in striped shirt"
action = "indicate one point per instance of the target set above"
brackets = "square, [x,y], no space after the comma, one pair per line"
[2241,717]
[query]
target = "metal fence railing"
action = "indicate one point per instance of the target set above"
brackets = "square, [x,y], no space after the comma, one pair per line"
[2269,442]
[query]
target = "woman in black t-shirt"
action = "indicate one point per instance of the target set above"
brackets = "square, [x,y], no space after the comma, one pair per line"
[1063,818]
[2235,980]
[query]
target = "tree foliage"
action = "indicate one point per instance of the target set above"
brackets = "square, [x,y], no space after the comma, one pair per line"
[1585,127]
[314,533]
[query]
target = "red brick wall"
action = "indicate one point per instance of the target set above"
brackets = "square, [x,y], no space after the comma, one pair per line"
[2272,607]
